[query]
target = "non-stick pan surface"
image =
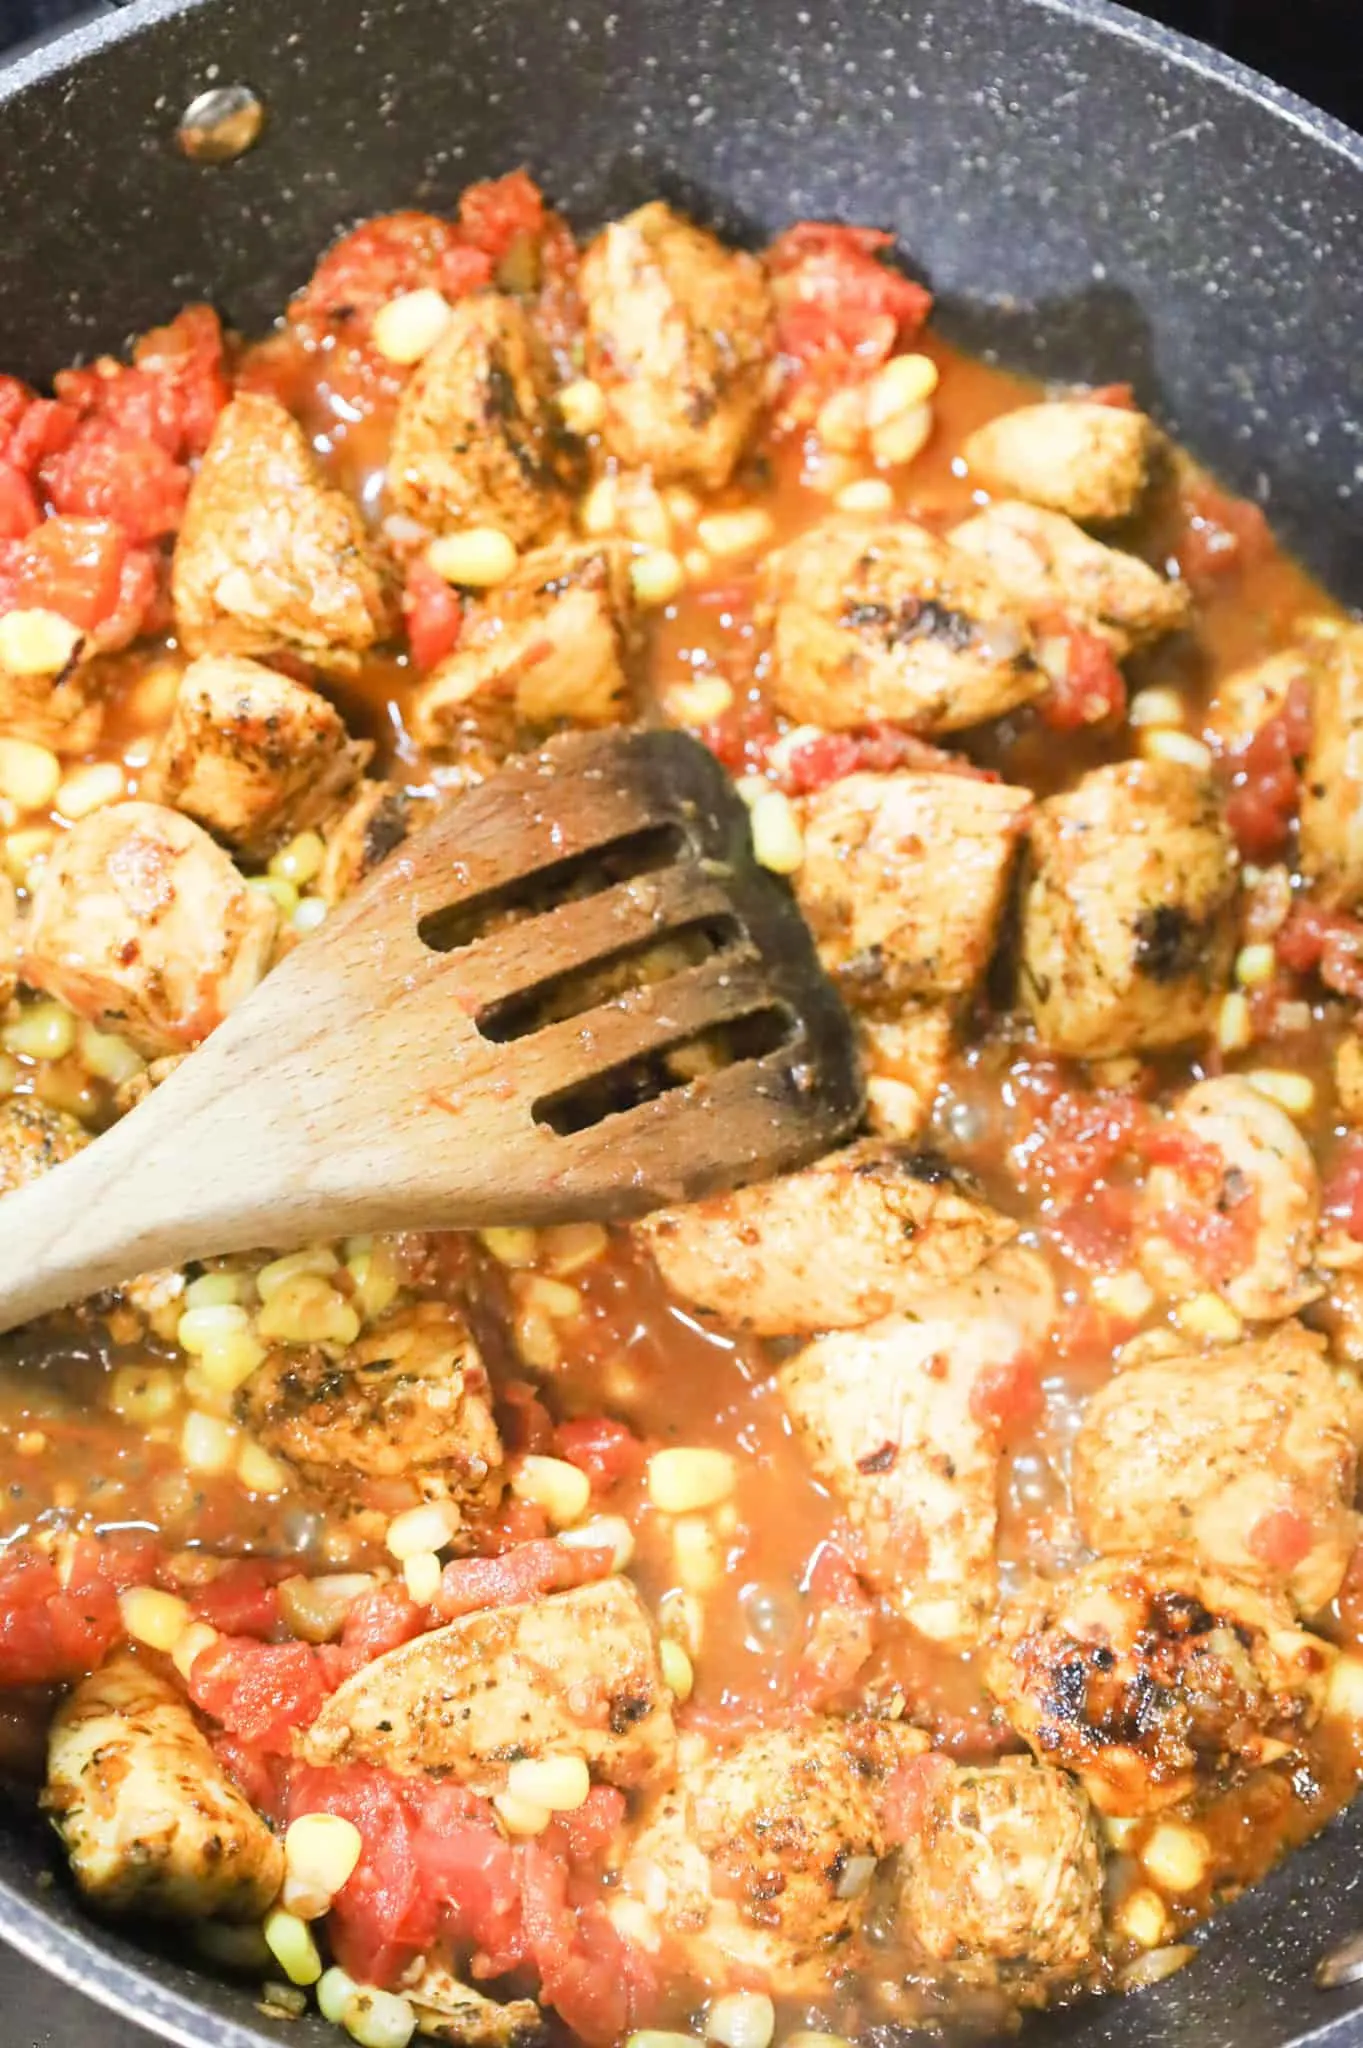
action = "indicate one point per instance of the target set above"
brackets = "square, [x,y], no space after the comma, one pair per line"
[1090,196]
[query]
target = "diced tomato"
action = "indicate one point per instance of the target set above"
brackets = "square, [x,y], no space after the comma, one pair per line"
[1280,1539]
[385,1915]
[72,566]
[501,211]
[1007,1396]
[45,429]
[188,360]
[523,1574]
[1077,1138]
[879,750]
[50,1633]
[840,309]
[606,1451]
[242,1600]
[261,1776]
[383,257]
[1265,792]
[1328,941]
[1200,1165]
[1119,396]
[1220,533]
[15,399]
[259,1691]
[599,1985]
[524,1421]
[1092,689]
[740,739]
[841,1632]
[1342,1196]
[379,1621]
[1096,1230]
[138,604]
[1215,1231]
[433,613]
[107,472]
[592,1828]
[20,511]
[910,1793]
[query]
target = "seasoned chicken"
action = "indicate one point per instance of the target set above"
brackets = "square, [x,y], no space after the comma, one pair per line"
[885,621]
[870,886]
[861,1233]
[905,1423]
[251,755]
[474,441]
[34,1139]
[1154,1681]
[62,711]
[905,1060]
[546,646]
[576,1673]
[447,2009]
[270,558]
[1060,575]
[679,338]
[1128,911]
[1235,1207]
[757,1864]
[1247,1460]
[1249,697]
[378,817]
[1089,461]
[1002,1879]
[1331,817]
[142,925]
[410,1402]
[150,1820]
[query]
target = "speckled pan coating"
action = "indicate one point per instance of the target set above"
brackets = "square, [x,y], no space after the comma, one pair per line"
[1090,196]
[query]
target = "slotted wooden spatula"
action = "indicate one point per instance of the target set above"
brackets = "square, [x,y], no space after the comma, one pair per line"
[574,995]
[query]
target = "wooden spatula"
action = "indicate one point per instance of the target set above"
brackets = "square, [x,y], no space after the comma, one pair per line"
[574,995]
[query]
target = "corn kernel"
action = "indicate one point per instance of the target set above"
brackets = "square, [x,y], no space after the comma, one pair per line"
[697,700]
[1176,1857]
[1234,1022]
[301,860]
[696,1554]
[841,421]
[378,2019]
[511,1246]
[678,1674]
[421,1576]
[777,839]
[867,494]
[42,1031]
[1162,743]
[644,516]
[228,1359]
[562,1489]
[215,1290]
[521,1816]
[376,1281]
[688,1478]
[408,327]
[561,1783]
[478,558]
[1157,706]
[282,894]
[1206,1315]
[537,1340]
[697,565]
[1142,1918]
[317,1258]
[292,1946]
[728,534]
[154,1618]
[568,1247]
[1126,1294]
[599,512]
[207,1444]
[306,1310]
[322,1850]
[107,1056]
[1255,965]
[89,789]
[203,1321]
[553,1298]
[582,406]
[197,1638]
[425,1528]
[603,1532]
[334,1992]
[1292,1092]
[37,642]
[904,437]
[905,382]
[656,577]
[683,506]
[1344,1689]
[741,2019]
[311,913]
[26,853]
[259,1472]
[144,1394]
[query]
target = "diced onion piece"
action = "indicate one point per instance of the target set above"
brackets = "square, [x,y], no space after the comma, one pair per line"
[259,1472]
[1344,1690]
[1176,1857]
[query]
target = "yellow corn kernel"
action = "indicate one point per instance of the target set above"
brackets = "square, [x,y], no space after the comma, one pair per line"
[1141,1918]
[582,406]
[1234,1022]
[311,912]
[107,1056]
[316,1609]
[292,1946]
[1206,1315]
[656,577]
[89,789]
[511,1245]
[904,437]
[659,2037]
[520,1816]
[561,1783]
[1126,1294]
[228,1359]
[378,2019]
[376,1281]
[1177,1858]
[696,1554]
[259,1472]
[421,1576]
[1157,706]
[728,534]
[306,1310]
[1292,1092]
[197,1638]
[301,860]
[841,422]
[408,327]
[1344,1690]
[207,1444]
[1163,743]
[1255,965]
[42,1031]
[37,642]
[478,558]
[282,894]
[425,1528]
[741,2019]
[697,700]
[778,842]
[599,512]
[603,1532]
[537,1340]
[562,1489]
[322,1850]
[553,1298]
[644,516]
[317,1258]
[215,1290]
[683,506]
[905,382]
[568,1247]
[203,1321]
[334,1991]
[678,1674]
[26,853]
[698,566]
[688,1478]
[867,494]
[154,1618]
[144,1394]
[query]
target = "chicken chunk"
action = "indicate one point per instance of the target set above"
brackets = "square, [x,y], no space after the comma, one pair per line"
[861,1233]
[1331,817]
[1128,911]
[575,1673]
[547,645]
[1235,1206]
[905,1423]
[1058,573]
[378,818]
[1248,698]
[1155,1681]
[34,1139]
[410,1402]
[758,1863]
[142,925]
[679,338]
[886,621]
[447,2009]
[1002,1879]
[150,1820]
[905,1060]
[270,558]
[1246,1459]
[1089,461]
[474,441]
[251,755]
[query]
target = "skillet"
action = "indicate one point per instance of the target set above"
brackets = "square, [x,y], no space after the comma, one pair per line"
[1090,196]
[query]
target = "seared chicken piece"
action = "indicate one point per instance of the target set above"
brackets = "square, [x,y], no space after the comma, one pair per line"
[378,817]
[1331,828]
[905,1060]
[1059,574]
[1089,461]
[62,711]
[1247,1459]
[861,1233]
[546,646]
[1249,697]
[758,1863]
[34,1139]
[1128,911]
[884,621]
[576,1673]
[142,925]
[679,338]
[150,1820]
[474,438]
[905,1423]
[1002,1880]
[409,1402]
[1239,1210]
[270,558]
[251,755]
[1153,1680]
[447,2009]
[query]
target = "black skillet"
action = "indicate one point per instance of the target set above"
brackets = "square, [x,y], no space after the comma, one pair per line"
[1090,196]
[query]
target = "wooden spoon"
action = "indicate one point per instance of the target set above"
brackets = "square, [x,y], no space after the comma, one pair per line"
[445,1053]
